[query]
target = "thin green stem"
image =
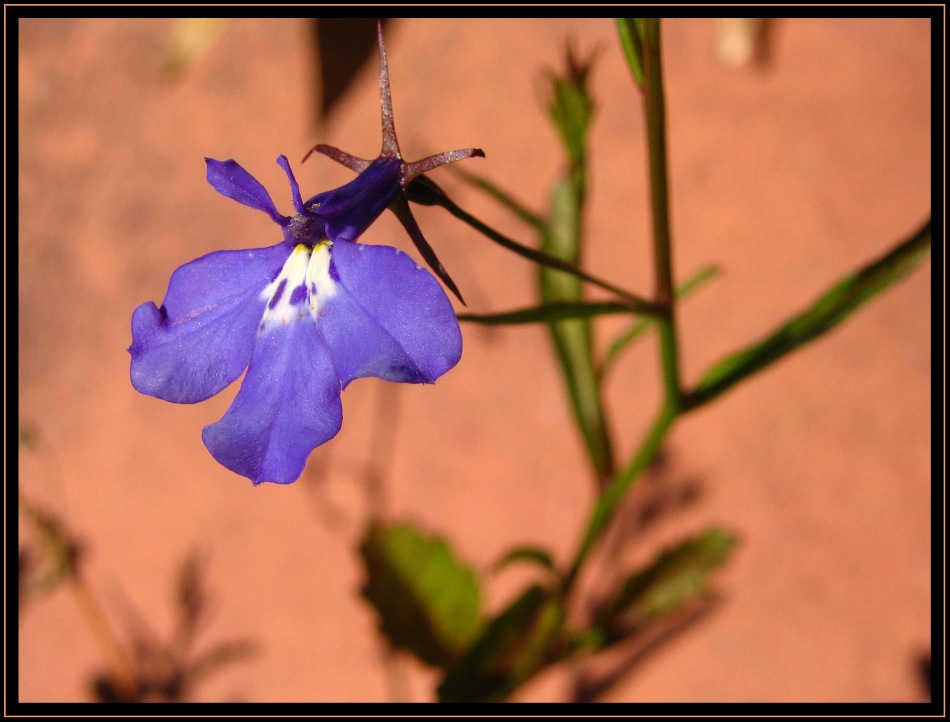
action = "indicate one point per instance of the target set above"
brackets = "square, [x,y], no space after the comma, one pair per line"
[426,192]
[641,326]
[62,549]
[547,312]
[654,107]
[655,112]
[618,488]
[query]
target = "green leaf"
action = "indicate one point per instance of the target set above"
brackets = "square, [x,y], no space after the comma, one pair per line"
[678,574]
[428,601]
[534,555]
[571,105]
[554,311]
[573,338]
[631,40]
[833,307]
[514,645]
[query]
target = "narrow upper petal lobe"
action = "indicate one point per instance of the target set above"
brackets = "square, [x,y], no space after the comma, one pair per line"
[230,179]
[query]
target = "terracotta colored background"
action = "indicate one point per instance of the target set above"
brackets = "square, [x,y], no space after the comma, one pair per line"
[785,176]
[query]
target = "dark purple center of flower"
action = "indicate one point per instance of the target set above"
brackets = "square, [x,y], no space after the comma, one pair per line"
[306,229]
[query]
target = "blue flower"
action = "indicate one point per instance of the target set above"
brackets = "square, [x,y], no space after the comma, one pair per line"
[304,317]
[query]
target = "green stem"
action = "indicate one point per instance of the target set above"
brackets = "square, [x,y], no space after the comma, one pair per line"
[424,191]
[654,108]
[655,112]
[548,312]
[643,325]
[619,487]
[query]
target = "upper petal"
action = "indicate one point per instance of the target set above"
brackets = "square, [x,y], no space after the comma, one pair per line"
[288,405]
[387,317]
[201,338]
[231,180]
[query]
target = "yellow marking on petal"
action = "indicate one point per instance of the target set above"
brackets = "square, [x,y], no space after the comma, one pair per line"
[320,285]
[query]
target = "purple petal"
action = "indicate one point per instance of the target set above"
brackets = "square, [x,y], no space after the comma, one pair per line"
[349,210]
[200,340]
[294,188]
[387,317]
[288,405]
[231,180]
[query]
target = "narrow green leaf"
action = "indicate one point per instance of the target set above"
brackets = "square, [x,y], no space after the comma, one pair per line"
[632,43]
[833,307]
[677,575]
[641,326]
[534,555]
[502,196]
[573,338]
[428,601]
[554,311]
[514,645]
[571,107]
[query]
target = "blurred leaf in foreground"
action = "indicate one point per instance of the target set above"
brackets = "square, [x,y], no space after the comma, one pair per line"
[428,601]
[677,575]
[512,647]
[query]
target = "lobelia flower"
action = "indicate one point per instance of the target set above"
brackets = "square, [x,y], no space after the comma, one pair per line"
[304,317]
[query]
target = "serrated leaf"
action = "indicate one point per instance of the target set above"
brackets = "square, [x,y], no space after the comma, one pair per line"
[513,646]
[677,575]
[429,602]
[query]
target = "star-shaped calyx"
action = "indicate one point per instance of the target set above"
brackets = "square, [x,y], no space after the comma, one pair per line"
[390,164]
